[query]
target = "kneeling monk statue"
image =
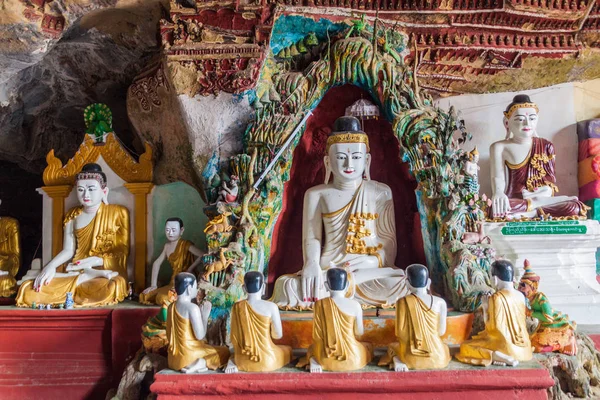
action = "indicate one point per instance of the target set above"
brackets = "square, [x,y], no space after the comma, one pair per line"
[96,242]
[253,322]
[356,216]
[505,340]
[420,322]
[337,320]
[187,325]
[523,169]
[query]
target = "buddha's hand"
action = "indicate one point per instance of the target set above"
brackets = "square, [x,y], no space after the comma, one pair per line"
[150,289]
[85,263]
[312,280]
[500,205]
[44,278]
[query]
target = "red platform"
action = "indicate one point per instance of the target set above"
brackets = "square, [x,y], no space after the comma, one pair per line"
[481,384]
[67,354]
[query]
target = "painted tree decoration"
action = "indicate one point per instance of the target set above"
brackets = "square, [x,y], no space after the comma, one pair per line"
[98,121]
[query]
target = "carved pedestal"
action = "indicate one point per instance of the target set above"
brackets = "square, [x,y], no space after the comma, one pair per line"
[563,254]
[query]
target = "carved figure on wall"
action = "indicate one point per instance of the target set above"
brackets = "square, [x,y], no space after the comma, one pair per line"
[523,169]
[187,324]
[10,255]
[218,224]
[337,319]
[505,340]
[420,323]
[229,194]
[253,322]
[555,332]
[180,253]
[221,264]
[96,242]
[357,216]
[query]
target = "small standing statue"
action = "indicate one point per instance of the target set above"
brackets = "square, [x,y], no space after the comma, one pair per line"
[336,321]
[253,322]
[555,332]
[10,255]
[187,324]
[505,340]
[471,170]
[420,321]
[180,254]
[229,194]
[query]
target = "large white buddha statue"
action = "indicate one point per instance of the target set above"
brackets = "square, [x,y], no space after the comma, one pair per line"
[347,223]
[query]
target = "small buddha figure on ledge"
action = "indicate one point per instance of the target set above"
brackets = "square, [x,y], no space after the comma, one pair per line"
[505,340]
[420,323]
[96,242]
[180,254]
[253,322]
[555,332]
[10,255]
[347,223]
[523,169]
[337,319]
[187,324]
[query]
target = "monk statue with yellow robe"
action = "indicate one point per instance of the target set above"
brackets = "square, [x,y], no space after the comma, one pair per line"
[523,169]
[93,262]
[180,254]
[347,223]
[253,322]
[420,323]
[337,319]
[187,324]
[505,340]
[10,255]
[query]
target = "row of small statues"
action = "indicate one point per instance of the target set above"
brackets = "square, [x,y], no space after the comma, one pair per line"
[420,322]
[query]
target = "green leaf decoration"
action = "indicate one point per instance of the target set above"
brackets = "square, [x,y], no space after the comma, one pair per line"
[98,119]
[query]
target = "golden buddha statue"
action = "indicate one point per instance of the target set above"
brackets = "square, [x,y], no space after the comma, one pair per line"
[187,325]
[420,322]
[252,322]
[96,242]
[180,254]
[336,321]
[505,340]
[10,255]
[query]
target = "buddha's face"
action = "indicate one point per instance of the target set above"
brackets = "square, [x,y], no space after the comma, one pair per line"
[173,231]
[522,123]
[90,193]
[348,161]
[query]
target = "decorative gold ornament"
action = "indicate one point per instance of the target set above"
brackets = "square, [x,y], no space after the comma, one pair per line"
[508,113]
[348,138]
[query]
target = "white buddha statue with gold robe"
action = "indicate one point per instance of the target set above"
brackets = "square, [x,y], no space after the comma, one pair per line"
[347,223]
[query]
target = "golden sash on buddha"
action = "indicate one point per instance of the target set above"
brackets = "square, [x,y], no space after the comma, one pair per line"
[105,236]
[334,344]
[505,331]
[10,255]
[184,348]
[180,260]
[419,344]
[254,350]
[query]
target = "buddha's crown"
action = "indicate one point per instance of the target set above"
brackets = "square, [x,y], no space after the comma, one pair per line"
[347,130]
[520,101]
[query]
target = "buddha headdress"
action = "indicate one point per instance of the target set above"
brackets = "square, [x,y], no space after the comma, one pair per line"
[347,130]
[92,171]
[520,101]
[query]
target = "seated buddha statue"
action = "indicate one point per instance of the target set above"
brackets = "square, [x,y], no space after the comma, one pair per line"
[187,324]
[180,254]
[420,322]
[555,332]
[10,255]
[505,340]
[523,169]
[93,262]
[253,322]
[347,223]
[337,319]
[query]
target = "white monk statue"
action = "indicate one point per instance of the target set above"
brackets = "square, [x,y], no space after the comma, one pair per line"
[523,165]
[347,223]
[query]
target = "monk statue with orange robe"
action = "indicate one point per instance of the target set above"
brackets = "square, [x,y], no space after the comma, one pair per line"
[93,262]
[10,255]
[337,319]
[253,322]
[187,324]
[420,323]
[523,170]
[180,253]
[505,340]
